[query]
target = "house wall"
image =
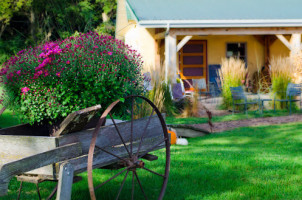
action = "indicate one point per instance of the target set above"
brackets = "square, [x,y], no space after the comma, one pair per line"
[279,49]
[142,40]
[138,38]
[216,49]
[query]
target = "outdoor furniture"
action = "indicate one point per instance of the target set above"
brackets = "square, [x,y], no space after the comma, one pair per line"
[213,91]
[188,93]
[239,98]
[177,91]
[292,91]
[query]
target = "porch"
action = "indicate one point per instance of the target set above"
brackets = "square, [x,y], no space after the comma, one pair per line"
[196,53]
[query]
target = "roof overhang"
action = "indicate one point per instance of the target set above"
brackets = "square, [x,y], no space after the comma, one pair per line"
[219,23]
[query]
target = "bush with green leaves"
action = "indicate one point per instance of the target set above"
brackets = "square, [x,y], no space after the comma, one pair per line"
[48,82]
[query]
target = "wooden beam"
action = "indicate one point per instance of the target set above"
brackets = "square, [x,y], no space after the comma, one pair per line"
[11,169]
[160,36]
[65,182]
[183,42]
[260,39]
[170,58]
[236,31]
[266,51]
[284,41]
[295,43]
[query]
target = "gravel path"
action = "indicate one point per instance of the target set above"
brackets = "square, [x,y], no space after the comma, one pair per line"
[229,125]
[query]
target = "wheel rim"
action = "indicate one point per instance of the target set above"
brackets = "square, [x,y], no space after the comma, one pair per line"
[133,162]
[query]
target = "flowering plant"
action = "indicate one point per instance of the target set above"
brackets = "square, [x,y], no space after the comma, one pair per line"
[48,82]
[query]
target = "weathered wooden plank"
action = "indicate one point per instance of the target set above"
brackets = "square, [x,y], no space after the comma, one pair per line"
[76,121]
[8,170]
[108,135]
[65,182]
[102,159]
[17,147]
[183,42]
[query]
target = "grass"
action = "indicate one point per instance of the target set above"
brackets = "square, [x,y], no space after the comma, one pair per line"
[245,163]
[251,114]
[8,118]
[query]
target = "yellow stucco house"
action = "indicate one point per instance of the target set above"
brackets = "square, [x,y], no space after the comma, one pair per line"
[190,37]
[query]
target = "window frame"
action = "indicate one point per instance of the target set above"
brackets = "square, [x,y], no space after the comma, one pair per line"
[245,49]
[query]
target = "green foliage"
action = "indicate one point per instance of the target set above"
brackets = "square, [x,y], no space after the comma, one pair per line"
[31,22]
[48,82]
[9,7]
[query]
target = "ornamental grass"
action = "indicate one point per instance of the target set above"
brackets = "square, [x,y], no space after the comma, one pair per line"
[232,74]
[282,72]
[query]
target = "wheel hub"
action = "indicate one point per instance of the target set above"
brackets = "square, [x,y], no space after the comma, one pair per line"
[133,163]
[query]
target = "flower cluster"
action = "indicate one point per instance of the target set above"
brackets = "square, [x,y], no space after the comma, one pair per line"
[47,82]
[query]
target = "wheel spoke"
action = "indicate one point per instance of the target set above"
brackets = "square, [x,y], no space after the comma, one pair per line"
[149,170]
[142,137]
[131,136]
[118,132]
[152,148]
[113,177]
[132,192]
[140,185]
[110,153]
[121,188]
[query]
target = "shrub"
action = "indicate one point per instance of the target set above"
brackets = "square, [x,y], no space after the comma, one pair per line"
[232,74]
[48,82]
[282,71]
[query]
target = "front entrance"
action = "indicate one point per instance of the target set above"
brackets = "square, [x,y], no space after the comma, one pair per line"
[193,61]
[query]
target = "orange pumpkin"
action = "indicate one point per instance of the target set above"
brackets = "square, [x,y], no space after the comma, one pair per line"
[173,136]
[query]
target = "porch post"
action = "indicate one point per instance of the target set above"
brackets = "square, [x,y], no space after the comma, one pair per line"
[170,57]
[295,42]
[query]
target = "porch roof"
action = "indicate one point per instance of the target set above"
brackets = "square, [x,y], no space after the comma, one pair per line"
[216,13]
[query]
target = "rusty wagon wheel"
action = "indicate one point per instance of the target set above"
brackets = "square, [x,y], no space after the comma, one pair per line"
[135,146]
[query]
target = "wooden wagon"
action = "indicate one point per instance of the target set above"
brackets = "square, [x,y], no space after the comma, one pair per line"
[29,154]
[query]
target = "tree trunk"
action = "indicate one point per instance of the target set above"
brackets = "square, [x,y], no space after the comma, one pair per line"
[32,21]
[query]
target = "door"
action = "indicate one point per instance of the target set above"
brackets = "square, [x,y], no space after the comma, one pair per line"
[193,61]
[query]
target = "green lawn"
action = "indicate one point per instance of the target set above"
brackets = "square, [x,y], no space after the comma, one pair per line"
[8,118]
[245,163]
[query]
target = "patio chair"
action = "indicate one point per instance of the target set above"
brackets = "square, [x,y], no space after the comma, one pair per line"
[292,91]
[239,98]
[188,93]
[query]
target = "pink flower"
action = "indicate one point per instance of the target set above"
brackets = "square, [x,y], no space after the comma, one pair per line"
[109,53]
[24,90]
[58,74]
[68,62]
[19,72]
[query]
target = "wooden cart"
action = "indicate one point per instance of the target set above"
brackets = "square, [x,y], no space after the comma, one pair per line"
[31,156]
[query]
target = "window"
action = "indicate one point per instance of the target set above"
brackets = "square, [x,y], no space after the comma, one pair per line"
[237,50]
